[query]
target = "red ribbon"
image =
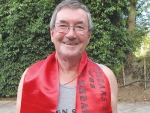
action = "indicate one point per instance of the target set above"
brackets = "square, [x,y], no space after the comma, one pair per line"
[41,88]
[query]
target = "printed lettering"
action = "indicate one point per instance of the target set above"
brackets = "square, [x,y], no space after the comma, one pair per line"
[96,68]
[82,90]
[83,98]
[98,73]
[65,111]
[81,74]
[58,111]
[100,80]
[101,86]
[105,108]
[73,111]
[91,79]
[104,99]
[92,85]
[85,111]
[104,93]
[84,105]
[81,82]
[89,72]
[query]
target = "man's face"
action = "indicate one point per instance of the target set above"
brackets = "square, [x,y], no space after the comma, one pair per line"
[73,42]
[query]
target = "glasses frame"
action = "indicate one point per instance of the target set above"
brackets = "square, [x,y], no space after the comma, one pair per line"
[85,28]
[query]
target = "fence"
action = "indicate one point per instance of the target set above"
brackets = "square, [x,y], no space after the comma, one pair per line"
[138,73]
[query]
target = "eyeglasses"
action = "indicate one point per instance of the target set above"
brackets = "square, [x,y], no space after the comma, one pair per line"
[64,28]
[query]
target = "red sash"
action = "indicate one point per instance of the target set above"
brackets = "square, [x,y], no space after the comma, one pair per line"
[41,88]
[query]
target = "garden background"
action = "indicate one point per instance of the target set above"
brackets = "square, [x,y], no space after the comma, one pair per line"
[120,38]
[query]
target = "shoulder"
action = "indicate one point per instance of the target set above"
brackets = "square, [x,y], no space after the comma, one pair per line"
[113,85]
[110,75]
[36,65]
[30,69]
[19,93]
[108,72]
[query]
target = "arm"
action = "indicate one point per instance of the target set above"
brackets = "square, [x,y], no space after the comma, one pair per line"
[114,87]
[19,94]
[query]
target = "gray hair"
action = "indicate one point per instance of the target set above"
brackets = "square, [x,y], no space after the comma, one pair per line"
[71,4]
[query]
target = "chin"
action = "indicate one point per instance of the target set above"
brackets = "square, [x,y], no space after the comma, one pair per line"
[71,55]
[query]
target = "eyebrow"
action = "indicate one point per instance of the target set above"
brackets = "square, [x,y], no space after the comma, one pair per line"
[80,22]
[64,21]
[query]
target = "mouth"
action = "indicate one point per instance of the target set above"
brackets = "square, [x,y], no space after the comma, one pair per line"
[71,44]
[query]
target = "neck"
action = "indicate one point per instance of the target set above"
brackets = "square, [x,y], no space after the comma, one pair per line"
[68,64]
[68,69]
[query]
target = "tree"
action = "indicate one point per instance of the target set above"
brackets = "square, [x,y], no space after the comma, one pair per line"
[109,39]
[25,39]
[143,15]
[137,23]
[132,15]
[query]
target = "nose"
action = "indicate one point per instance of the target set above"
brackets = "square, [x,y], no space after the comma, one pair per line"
[71,32]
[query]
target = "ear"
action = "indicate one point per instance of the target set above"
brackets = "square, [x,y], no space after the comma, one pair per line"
[52,33]
[89,36]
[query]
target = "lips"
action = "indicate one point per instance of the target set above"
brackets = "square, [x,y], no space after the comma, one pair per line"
[73,44]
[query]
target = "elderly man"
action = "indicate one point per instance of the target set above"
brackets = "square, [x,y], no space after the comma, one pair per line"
[67,81]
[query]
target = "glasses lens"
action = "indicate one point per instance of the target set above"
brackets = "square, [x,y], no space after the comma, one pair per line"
[61,28]
[64,28]
[80,29]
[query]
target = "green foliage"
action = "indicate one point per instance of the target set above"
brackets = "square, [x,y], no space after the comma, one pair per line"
[25,38]
[144,49]
[109,43]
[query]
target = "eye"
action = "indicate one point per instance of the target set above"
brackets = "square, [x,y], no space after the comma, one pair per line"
[62,25]
[79,27]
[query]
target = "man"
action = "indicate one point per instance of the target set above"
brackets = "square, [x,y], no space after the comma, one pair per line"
[67,81]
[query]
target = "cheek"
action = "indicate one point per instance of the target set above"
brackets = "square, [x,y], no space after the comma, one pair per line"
[86,40]
[57,39]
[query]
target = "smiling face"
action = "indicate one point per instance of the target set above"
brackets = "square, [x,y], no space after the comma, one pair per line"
[72,43]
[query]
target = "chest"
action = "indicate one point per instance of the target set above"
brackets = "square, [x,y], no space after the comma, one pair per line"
[67,98]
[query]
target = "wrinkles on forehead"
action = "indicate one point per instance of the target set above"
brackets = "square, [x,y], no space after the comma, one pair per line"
[72,16]
[66,22]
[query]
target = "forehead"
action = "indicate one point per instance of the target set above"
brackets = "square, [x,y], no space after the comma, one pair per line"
[71,15]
